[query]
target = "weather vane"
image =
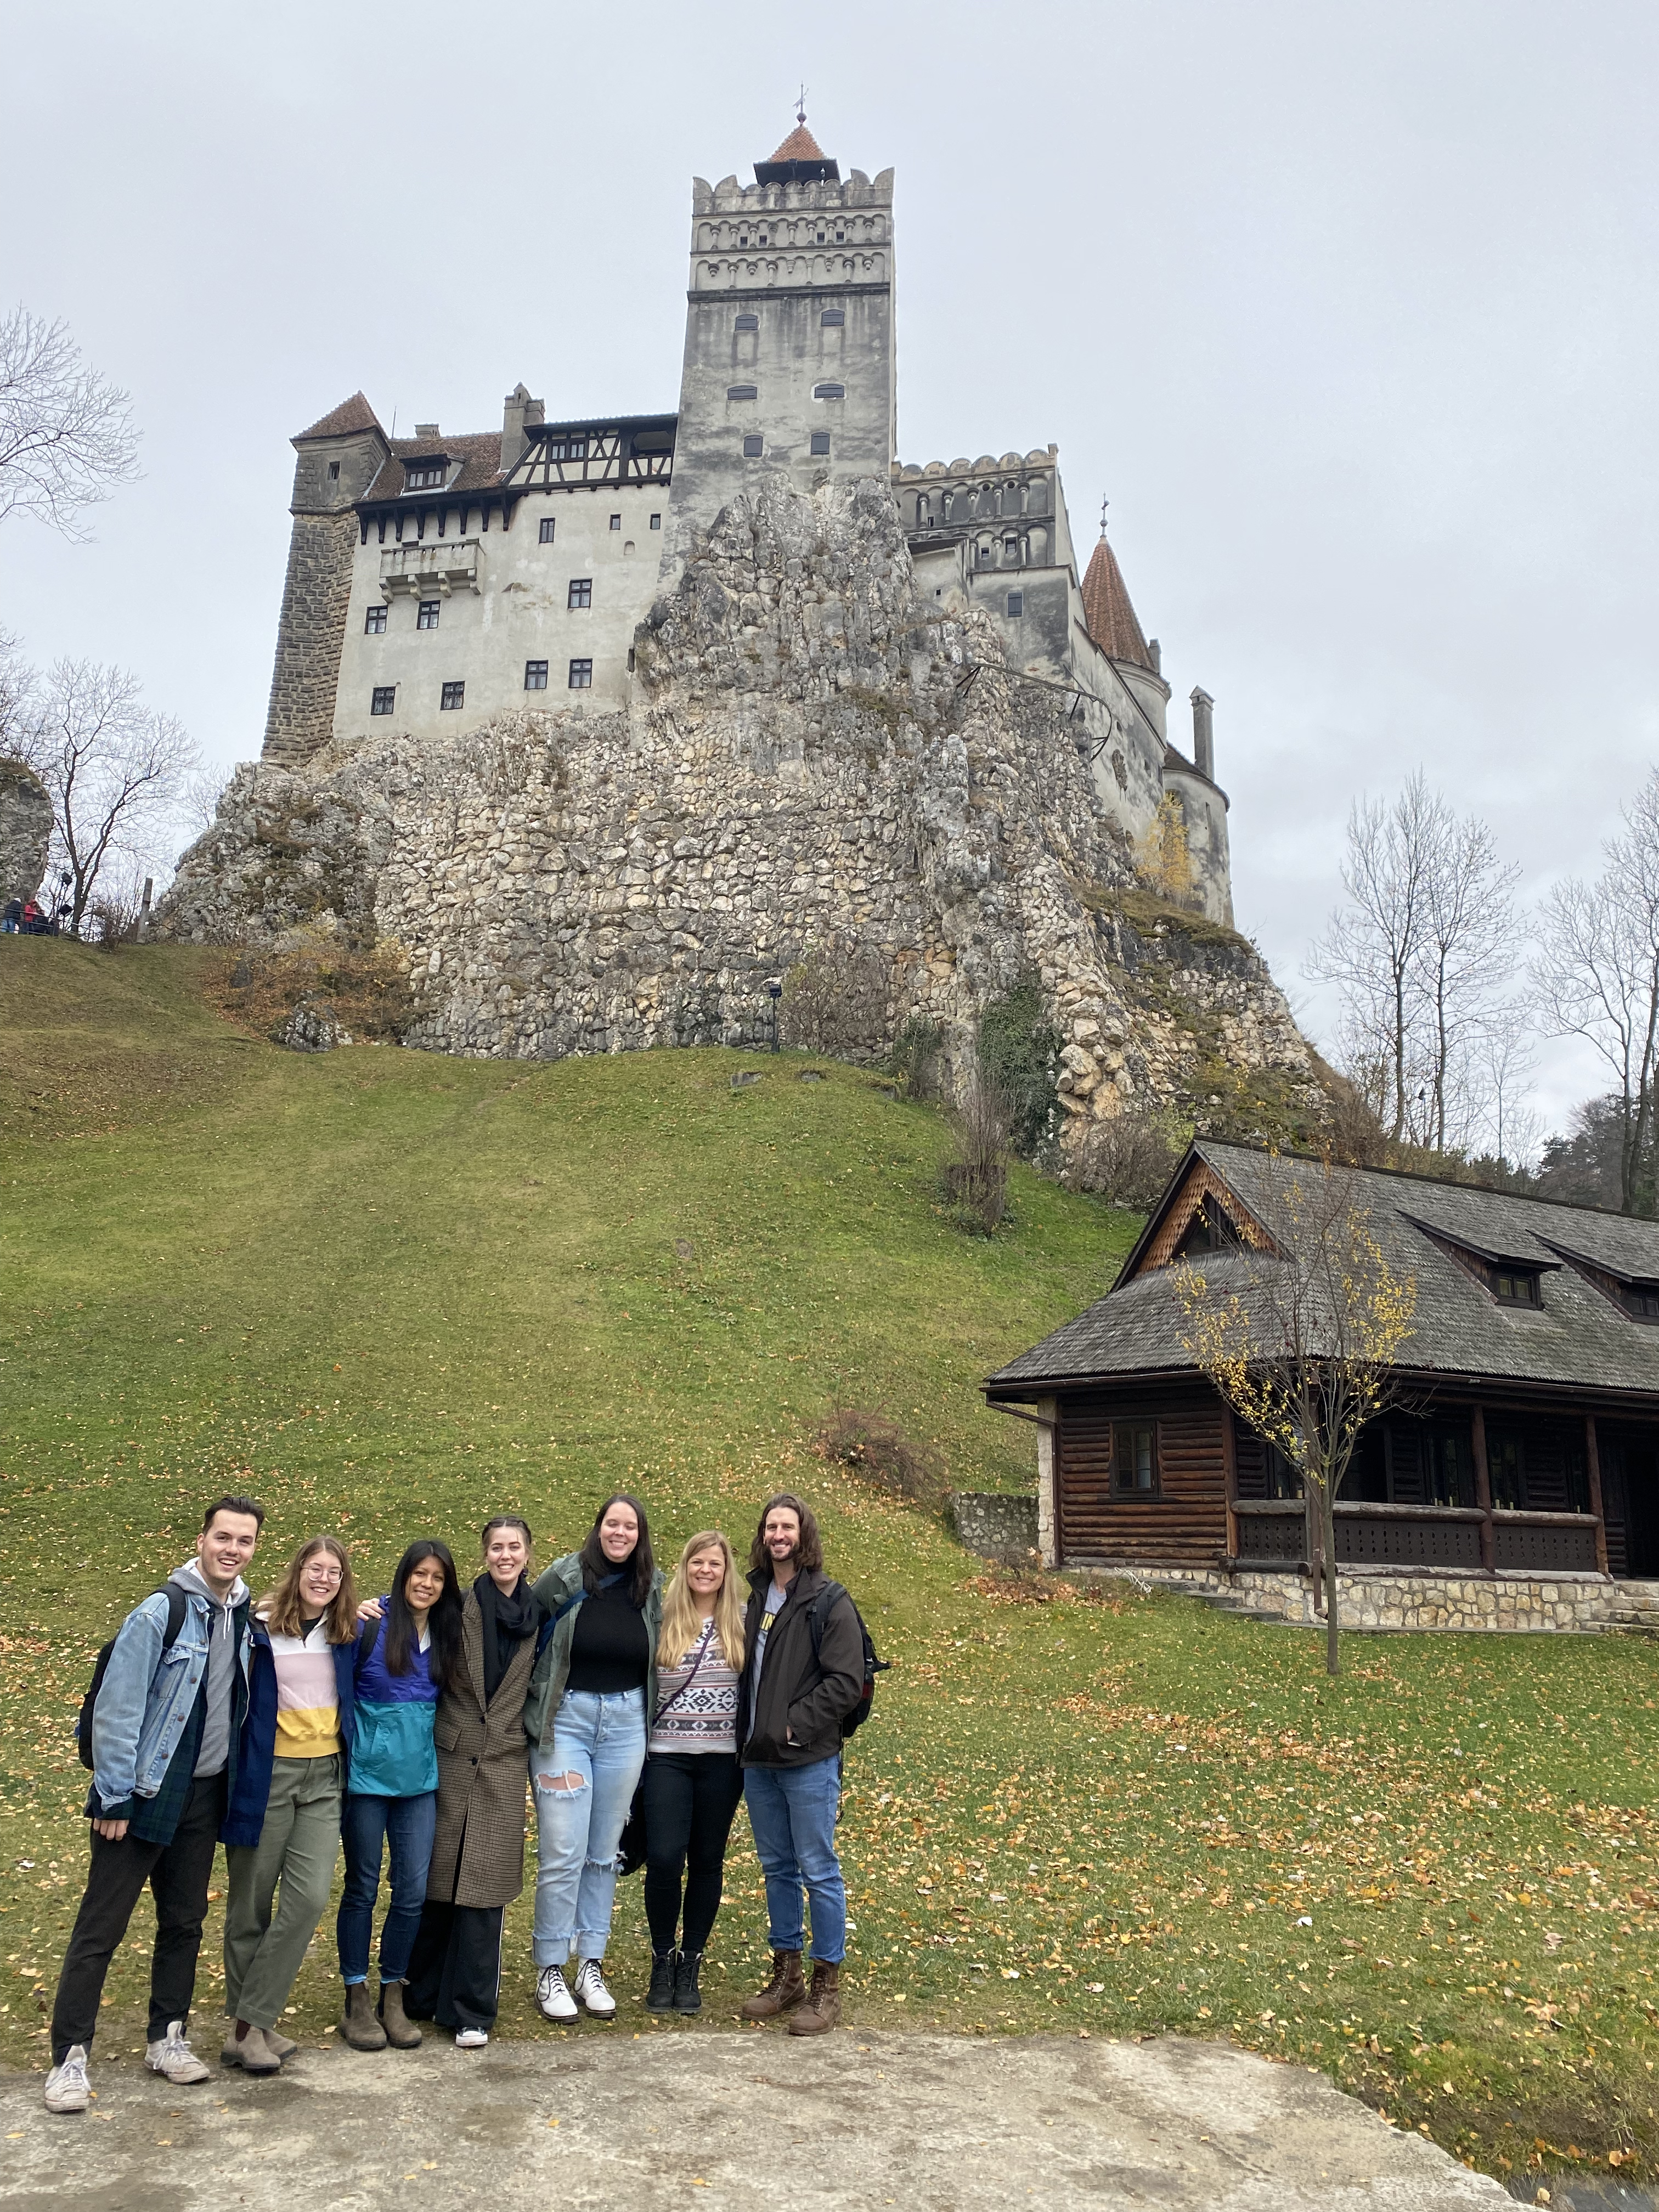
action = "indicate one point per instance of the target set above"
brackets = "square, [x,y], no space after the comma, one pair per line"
[800,105]
[1104,504]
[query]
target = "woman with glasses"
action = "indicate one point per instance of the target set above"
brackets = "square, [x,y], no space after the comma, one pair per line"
[283,1827]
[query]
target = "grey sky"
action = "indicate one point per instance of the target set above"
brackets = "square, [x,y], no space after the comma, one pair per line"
[1351,309]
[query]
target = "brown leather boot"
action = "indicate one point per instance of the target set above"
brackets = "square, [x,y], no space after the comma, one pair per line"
[358,2025]
[822,2010]
[401,2032]
[782,1993]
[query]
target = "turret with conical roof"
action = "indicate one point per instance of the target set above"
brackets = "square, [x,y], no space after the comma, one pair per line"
[1113,623]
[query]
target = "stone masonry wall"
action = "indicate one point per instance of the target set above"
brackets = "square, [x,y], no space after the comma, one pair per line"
[801,766]
[1513,1604]
[995,1524]
[310,632]
[24,830]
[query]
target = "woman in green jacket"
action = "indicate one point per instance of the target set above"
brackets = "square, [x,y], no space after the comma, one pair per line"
[593,1691]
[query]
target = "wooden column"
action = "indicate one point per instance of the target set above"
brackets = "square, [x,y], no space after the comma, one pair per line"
[1230,1460]
[1483,1490]
[1593,1462]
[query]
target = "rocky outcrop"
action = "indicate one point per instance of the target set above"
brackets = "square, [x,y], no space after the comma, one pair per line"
[25,831]
[805,764]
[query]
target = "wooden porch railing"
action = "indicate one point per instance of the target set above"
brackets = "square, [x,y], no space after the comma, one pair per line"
[1424,1539]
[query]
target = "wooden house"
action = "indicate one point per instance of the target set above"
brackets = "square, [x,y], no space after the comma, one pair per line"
[1524,1443]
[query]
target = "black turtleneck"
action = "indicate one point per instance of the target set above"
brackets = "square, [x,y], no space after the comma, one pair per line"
[609,1651]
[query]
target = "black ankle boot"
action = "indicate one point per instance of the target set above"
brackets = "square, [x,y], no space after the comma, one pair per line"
[688,1998]
[664,1981]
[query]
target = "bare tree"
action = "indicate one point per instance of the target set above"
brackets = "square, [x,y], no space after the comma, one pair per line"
[1468,949]
[1301,1335]
[198,798]
[66,433]
[18,686]
[115,770]
[1597,977]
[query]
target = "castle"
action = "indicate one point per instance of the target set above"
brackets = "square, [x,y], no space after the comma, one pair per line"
[437,582]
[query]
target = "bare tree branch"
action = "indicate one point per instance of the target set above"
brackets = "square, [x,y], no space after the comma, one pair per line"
[67,439]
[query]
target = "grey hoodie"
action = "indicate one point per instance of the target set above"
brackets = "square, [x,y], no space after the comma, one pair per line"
[214,1752]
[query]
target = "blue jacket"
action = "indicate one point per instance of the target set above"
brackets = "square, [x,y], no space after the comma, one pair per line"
[147,1696]
[244,1816]
[392,1753]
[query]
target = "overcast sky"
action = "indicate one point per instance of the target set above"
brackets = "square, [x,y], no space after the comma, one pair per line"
[1350,308]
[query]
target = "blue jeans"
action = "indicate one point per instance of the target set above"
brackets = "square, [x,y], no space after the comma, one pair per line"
[792,1811]
[407,1824]
[596,1755]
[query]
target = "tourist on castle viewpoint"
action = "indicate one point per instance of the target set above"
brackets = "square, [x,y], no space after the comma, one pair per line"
[477,1851]
[165,1720]
[283,1826]
[408,1645]
[803,1676]
[692,1778]
[595,1684]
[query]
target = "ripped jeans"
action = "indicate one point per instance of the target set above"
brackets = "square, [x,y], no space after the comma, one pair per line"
[584,1783]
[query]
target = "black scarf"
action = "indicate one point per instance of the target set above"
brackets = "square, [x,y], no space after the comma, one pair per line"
[507,1621]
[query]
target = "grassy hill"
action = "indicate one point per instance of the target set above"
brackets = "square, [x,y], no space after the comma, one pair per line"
[390,1292]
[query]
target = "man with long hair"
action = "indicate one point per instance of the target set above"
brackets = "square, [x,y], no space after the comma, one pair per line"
[803,1673]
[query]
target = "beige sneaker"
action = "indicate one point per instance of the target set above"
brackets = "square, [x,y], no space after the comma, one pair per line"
[173,2056]
[67,2088]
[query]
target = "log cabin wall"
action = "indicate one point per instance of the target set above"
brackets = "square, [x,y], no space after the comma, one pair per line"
[1182,1519]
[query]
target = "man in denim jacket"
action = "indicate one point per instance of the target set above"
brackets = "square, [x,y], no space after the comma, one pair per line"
[164,1740]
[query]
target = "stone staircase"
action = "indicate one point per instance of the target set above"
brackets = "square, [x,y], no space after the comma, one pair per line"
[1635,1609]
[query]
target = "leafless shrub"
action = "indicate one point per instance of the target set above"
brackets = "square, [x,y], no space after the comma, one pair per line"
[975,1182]
[835,1002]
[876,1447]
[66,434]
[915,1058]
[1128,1160]
[115,916]
[365,990]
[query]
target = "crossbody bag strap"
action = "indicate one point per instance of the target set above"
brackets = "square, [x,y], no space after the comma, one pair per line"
[702,1653]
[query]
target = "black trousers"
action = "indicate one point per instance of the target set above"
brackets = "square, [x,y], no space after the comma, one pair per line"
[455,1968]
[690,1801]
[179,1874]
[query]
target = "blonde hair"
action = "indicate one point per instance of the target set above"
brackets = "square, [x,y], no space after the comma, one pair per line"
[280,1608]
[681,1621]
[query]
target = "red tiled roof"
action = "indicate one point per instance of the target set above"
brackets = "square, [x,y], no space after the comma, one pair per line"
[799,146]
[1109,613]
[353,414]
[479,453]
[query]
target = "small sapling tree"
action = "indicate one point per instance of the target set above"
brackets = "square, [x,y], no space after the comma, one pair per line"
[1299,1332]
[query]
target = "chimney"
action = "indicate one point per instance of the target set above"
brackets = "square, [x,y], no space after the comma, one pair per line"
[517,409]
[1155,654]
[1203,733]
[426,431]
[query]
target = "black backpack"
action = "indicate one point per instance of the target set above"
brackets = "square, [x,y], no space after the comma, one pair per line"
[175,1598]
[816,1617]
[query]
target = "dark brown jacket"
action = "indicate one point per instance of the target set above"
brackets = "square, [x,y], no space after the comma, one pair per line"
[477,1853]
[802,1698]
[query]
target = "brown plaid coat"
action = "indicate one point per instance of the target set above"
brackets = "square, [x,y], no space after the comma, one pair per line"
[477,1853]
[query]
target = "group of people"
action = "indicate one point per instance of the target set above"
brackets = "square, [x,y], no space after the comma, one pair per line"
[403,1724]
[27,917]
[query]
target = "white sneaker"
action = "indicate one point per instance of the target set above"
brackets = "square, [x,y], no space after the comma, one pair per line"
[471,2038]
[553,1999]
[173,2056]
[67,2088]
[592,1991]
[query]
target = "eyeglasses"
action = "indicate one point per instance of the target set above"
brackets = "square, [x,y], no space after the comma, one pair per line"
[328,1570]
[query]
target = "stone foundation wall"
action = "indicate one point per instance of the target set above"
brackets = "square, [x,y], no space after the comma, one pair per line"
[993,1524]
[1510,1604]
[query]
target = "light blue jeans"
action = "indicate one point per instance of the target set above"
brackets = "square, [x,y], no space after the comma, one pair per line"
[601,1741]
[792,1811]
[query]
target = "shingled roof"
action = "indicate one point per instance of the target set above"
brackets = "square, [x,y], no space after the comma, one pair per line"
[479,452]
[351,415]
[1107,610]
[1577,1337]
[800,160]
[801,146]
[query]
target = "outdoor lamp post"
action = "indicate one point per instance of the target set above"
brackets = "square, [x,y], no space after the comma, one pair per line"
[775,992]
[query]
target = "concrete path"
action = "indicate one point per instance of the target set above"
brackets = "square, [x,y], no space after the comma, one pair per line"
[746,2123]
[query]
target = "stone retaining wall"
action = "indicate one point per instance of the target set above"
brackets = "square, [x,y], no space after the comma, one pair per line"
[994,1524]
[1511,1604]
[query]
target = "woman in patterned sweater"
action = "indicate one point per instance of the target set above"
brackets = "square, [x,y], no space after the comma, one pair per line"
[692,1778]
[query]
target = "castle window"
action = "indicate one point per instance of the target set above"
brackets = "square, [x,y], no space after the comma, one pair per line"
[454,695]
[582,675]
[656,522]
[747,323]
[616,522]
[535,676]
[426,616]
[334,472]
[384,699]
[424,475]
[374,623]
[821,238]
[828,392]
[582,592]
[1016,603]
[566,449]
[547,530]
[820,441]
[752,448]
[742,392]
[1134,1459]
[833,317]
[1011,547]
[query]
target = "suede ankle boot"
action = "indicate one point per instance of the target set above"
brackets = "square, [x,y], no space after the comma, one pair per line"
[688,1998]
[782,1993]
[665,1967]
[822,2010]
[401,2032]
[358,2025]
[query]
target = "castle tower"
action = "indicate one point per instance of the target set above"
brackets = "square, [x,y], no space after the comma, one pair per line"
[1116,628]
[789,339]
[339,458]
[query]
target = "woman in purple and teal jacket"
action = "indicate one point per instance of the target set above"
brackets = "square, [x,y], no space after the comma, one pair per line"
[406,1647]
